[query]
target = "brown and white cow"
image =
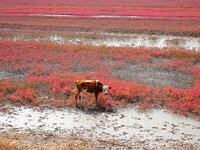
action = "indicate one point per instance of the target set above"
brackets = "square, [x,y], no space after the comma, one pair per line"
[90,86]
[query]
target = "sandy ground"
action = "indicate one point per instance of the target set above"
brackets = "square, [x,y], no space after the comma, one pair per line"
[156,129]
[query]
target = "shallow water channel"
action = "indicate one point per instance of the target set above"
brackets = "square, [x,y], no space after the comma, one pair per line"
[106,39]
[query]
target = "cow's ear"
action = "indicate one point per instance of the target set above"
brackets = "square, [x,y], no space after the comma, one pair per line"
[110,87]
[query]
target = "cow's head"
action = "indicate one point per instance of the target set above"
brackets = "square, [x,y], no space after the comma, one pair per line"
[106,89]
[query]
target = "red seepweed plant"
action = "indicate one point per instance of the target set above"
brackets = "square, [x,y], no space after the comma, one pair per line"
[52,65]
[24,96]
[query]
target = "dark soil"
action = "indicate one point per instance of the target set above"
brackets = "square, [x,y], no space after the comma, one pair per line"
[16,76]
[79,67]
[156,77]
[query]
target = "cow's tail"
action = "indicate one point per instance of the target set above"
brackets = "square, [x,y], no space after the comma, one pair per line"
[75,82]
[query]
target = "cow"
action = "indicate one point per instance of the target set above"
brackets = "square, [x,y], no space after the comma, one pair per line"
[90,86]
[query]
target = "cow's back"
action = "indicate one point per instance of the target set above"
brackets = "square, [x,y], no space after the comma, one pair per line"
[88,85]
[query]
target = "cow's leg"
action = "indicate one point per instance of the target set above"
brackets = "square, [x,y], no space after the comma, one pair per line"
[81,97]
[81,100]
[96,97]
[77,96]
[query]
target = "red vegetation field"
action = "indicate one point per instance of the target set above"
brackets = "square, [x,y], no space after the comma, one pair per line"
[41,24]
[43,74]
[147,8]
[178,3]
[185,13]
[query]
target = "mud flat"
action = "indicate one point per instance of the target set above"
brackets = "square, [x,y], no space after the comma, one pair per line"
[154,129]
[155,77]
[16,76]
